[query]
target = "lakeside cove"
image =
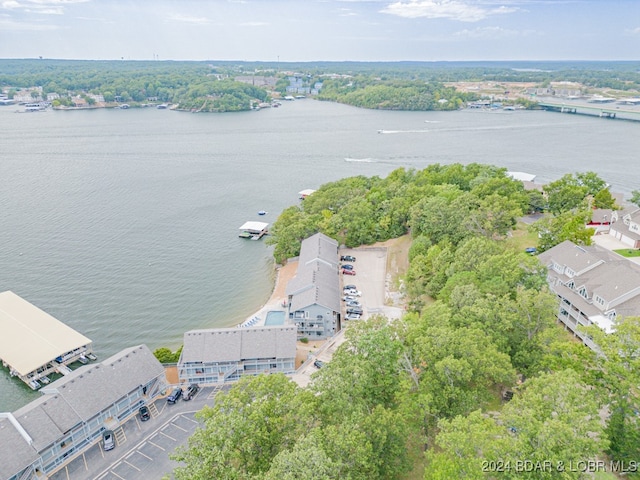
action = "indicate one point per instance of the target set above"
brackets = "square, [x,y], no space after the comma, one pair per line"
[137,223]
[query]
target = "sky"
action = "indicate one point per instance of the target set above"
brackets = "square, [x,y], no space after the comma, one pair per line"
[321,30]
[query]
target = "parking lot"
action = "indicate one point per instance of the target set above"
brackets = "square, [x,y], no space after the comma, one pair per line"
[371,280]
[143,452]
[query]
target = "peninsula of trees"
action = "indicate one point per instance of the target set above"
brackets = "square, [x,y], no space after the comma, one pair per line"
[218,86]
[475,379]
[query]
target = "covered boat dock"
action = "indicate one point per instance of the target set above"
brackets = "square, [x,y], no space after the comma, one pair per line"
[253,230]
[34,344]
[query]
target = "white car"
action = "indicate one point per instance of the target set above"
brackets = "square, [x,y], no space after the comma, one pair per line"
[348,298]
[353,293]
[353,316]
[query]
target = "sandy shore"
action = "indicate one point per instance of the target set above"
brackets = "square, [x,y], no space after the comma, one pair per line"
[278,296]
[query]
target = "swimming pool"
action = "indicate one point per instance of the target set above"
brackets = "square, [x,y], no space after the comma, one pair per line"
[274,317]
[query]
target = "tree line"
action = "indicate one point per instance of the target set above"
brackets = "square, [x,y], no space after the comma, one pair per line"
[473,381]
[211,86]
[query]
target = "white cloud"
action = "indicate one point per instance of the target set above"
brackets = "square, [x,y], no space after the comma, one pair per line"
[10,5]
[253,24]
[47,7]
[12,26]
[486,32]
[189,19]
[633,31]
[460,10]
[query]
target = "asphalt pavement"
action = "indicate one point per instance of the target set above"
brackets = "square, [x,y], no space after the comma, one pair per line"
[143,452]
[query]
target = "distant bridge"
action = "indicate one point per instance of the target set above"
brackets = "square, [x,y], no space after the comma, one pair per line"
[595,111]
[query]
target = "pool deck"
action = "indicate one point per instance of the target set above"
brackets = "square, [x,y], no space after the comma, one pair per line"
[278,296]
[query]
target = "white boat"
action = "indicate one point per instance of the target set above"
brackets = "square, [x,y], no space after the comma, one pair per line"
[262,212]
[34,384]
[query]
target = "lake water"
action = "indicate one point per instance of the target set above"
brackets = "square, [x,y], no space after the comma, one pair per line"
[123,224]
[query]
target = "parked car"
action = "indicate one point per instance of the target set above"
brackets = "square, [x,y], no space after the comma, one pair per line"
[347,258]
[108,440]
[349,287]
[347,267]
[348,272]
[348,298]
[353,316]
[353,303]
[356,310]
[175,395]
[144,412]
[318,363]
[531,250]
[353,293]
[191,392]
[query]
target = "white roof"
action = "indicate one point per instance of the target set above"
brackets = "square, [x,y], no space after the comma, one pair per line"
[254,226]
[306,192]
[32,338]
[522,176]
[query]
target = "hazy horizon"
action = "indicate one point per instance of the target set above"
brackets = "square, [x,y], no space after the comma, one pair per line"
[324,30]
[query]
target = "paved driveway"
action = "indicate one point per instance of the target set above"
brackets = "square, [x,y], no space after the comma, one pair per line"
[611,243]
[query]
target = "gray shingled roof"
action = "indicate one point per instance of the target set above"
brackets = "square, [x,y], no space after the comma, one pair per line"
[85,392]
[617,280]
[319,247]
[571,255]
[15,452]
[317,279]
[235,344]
[614,279]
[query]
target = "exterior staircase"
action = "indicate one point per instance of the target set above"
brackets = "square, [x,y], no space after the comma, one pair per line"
[120,436]
[153,410]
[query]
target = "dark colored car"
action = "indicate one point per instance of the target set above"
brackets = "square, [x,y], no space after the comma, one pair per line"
[191,392]
[318,363]
[175,395]
[354,310]
[144,412]
[347,258]
[108,440]
[349,287]
[531,250]
[347,267]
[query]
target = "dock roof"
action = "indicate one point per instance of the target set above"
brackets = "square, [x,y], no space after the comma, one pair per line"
[254,226]
[31,337]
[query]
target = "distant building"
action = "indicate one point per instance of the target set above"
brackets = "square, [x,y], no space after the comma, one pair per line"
[314,293]
[220,355]
[73,411]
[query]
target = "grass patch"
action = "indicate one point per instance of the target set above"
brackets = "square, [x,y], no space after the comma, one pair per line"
[522,238]
[417,457]
[628,252]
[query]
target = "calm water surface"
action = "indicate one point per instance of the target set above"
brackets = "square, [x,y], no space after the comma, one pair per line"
[123,223]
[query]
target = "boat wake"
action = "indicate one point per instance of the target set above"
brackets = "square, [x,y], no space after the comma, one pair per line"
[432,121]
[363,160]
[403,131]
